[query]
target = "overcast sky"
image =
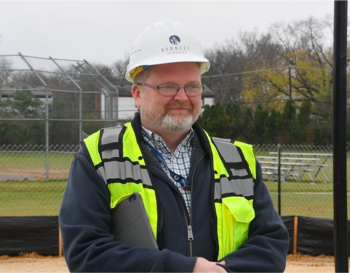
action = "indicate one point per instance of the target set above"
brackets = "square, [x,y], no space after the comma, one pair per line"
[103,31]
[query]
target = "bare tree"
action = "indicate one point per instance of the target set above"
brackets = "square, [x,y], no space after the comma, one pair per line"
[261,54]
[260,49]
[224,76]
[5,69]
[106,71]
[119,70]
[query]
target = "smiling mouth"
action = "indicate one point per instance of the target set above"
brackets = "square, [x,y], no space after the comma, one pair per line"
[179,108]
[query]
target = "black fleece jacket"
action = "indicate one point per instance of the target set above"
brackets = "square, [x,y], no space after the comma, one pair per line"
[89,246]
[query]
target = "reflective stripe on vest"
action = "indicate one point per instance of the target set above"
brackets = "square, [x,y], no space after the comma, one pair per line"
[233,189]
[126,175]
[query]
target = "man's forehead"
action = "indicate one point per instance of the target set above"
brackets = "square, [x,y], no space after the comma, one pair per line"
[175,67]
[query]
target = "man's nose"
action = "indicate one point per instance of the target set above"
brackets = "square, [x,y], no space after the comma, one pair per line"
[181,95]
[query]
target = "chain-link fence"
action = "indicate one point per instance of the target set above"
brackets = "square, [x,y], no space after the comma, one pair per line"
[299,178]
[53,101]
[70,97]
[33,183]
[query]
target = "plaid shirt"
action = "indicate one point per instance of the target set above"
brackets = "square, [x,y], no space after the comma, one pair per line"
[179,162]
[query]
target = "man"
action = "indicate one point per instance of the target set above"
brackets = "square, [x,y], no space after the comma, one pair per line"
[207,204]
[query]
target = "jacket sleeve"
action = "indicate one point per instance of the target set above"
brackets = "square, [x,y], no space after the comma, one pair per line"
[85,223]
[266,248]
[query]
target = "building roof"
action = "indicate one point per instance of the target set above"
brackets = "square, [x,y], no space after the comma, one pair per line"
[9,88]
[125,91]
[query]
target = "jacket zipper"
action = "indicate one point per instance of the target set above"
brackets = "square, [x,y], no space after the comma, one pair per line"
[190,235]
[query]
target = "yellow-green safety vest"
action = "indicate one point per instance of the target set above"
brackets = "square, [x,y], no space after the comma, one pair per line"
[233,190]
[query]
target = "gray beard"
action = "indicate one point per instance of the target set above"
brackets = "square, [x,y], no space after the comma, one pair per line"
[171,124]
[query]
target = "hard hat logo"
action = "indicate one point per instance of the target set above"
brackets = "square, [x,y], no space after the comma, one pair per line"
[134,50]
[175,40]
[176,48]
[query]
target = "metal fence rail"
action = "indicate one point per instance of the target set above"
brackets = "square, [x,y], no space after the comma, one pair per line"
[25,191]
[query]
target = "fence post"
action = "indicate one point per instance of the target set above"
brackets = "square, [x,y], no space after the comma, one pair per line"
[279,178]
[295,240]
[60,249]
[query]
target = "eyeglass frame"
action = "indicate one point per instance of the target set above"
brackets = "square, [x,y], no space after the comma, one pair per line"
[178,88]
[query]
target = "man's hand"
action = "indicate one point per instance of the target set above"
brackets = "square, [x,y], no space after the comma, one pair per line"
[203,265]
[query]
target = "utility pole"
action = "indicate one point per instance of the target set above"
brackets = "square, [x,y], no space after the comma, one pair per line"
[339,136]
[290,83]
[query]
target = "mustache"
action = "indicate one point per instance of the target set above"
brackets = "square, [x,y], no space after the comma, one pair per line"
[179,105]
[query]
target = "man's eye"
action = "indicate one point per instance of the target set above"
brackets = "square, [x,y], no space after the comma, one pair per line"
[168,87]
[192,87]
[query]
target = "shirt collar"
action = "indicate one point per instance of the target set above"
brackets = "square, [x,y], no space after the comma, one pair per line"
[156,140]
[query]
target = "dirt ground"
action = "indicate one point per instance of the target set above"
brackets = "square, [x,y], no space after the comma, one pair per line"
[31,174]
[36,263]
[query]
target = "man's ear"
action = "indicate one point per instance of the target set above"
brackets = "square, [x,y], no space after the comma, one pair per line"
[136,93]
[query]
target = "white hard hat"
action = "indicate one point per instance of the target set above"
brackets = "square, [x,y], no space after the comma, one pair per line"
[161,43]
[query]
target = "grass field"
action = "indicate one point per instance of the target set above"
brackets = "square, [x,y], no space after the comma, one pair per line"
[36,160]
[27,198]
[32,166]
[36,198]
[33,198]
[24,198]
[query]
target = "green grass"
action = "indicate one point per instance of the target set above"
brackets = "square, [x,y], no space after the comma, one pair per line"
[305,204]
[31,198]
[36,160]
[43,198]
[304,199]
[299,187]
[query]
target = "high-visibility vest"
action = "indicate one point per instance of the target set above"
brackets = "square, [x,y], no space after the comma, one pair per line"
[118,159]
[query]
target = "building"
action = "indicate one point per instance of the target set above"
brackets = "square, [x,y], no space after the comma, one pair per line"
[38,91]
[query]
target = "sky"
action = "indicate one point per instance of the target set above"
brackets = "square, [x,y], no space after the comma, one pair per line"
[104,31]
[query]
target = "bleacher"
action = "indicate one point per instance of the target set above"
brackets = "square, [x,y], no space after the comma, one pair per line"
[294,166]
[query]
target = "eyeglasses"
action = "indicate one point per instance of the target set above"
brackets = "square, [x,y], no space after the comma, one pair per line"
[170,90]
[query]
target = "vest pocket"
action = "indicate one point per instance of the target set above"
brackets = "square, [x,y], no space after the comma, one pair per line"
[238,212]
